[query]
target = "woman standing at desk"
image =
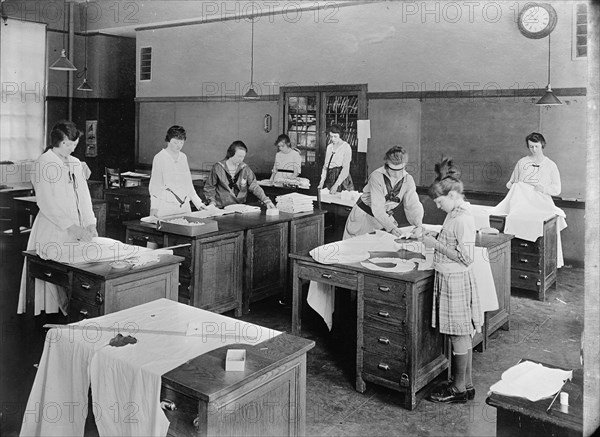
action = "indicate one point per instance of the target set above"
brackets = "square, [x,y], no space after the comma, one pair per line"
[230,179]
[171,187]
[336,171]
[288,161]
[536,169]
[387,188]
[66,216]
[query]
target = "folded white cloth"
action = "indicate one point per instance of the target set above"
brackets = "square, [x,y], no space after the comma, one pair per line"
[321,298]
[532,381]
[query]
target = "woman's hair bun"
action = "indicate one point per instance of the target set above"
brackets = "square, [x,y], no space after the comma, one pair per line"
[445,169]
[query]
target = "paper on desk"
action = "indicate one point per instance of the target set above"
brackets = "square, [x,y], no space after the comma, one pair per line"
[241,208]
[532,381]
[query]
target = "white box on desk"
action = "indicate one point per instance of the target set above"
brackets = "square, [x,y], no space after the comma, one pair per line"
[204,226]
[235,360]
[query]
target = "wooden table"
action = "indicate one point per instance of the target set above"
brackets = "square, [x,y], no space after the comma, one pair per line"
[95,289]
[26,209]
[395,344]
[244,261]
[521,417]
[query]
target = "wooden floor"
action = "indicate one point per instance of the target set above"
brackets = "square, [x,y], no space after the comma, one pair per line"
[546,331]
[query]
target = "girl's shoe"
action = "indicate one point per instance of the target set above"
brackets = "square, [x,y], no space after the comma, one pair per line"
[449,395]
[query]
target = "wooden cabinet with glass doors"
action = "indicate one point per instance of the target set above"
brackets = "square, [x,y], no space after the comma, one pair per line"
[307,112]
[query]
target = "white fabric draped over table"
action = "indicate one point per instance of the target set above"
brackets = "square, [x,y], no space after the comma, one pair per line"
[126,380]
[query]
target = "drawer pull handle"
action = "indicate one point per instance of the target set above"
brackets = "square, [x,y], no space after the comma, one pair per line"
[99,298]
[48,274]
[384,288]
[524,245]
[326,275]
[383,314]
[166,404]
[85,286]
[404,348]
[196,423]
[383,366]
[523,276]
[524,260]
[83,312]
[383,340]
[138,201]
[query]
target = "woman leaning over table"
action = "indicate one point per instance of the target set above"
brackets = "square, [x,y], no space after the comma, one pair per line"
[230,180]
[387,188]
[65,213]
[171,187]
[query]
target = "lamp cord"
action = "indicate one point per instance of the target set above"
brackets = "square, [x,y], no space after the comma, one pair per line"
[548,59]
[252,56]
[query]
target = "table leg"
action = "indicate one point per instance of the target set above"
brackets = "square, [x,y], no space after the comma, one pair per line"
[296,300]
[360,383]
[29,289]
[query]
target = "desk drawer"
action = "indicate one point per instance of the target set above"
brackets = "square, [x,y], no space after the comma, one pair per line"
[383,342]
[87,288]
[385,367]
[142,238]
[524,246]
[526,261]
[49,273]
[329,276]
[386,290]
[525,279]
[384,316]
[81,310]
[184,412]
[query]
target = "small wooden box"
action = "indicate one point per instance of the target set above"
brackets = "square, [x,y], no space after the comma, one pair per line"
[203,226]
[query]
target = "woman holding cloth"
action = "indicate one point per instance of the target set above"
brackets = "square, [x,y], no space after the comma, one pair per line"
[230,180]
[65,215]
[336,171]
[171,187]
[388,187]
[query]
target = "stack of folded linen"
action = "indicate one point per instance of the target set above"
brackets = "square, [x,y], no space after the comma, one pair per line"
[294,202]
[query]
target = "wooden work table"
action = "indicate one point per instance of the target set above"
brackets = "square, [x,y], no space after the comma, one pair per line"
[95,289]
[246,260]
[395,344]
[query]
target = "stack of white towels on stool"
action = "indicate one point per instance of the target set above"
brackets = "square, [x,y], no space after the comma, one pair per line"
[294,202]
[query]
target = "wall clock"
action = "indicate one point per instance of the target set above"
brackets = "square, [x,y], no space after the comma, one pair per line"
[537,20]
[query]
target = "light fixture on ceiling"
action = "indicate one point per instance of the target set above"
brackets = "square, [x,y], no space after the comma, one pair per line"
[251,94]
[548,98]
[85,86]
[63,63]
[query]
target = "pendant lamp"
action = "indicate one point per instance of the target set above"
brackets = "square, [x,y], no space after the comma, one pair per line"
[251,94]
[548,98]
[85,86]
[63,63]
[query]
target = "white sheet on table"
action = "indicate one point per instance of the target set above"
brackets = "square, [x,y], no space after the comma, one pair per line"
[125,380]
[532,381]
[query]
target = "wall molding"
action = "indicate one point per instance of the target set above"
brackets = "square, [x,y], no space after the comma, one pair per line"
[473,94]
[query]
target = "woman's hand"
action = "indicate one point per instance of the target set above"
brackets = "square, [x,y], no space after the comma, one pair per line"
[153,212]
[417,232]
[396,232]
[79,233]
[428,240]
[333,189]
[92,230]
[269,204]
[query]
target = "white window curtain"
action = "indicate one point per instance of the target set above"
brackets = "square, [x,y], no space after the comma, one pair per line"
[23,80]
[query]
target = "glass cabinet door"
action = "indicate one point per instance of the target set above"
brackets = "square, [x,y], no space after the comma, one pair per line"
[302,126]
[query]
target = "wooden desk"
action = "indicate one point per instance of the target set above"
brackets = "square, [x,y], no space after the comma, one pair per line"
[521,417]
[244,261]
[533,262]
[95,289]
[26,209]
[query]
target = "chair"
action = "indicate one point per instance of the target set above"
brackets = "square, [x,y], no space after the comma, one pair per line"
[112,178]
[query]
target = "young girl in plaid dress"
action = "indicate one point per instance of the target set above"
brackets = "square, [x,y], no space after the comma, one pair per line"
[456,310]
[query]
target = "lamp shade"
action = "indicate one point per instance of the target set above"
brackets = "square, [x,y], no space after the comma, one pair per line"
[63,63]
[85,86]
[549,98]
[251,94]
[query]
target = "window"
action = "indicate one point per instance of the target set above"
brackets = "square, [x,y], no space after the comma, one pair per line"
[146,63]
[580,31]
[23,79]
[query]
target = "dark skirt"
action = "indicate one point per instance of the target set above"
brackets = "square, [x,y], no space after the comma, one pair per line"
[332,176]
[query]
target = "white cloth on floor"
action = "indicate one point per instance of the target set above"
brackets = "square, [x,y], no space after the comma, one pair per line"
[126,380]
[532,381]
[526,210]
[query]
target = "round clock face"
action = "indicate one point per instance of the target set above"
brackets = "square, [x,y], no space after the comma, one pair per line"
[537,20]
